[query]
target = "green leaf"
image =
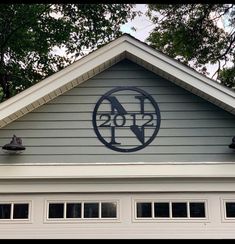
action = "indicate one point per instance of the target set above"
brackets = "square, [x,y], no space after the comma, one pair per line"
[29,32]
[191,33]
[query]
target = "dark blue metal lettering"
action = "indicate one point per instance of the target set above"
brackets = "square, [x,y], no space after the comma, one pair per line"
[141,98]
[120,116]
[123,120]
[113,142]
[115,104]
[139,132]
[105,123]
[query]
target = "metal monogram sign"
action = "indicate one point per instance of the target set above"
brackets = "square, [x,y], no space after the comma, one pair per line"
[126,119]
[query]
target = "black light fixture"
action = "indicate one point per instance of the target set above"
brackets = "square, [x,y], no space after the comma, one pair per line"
[233,143]
[14,145]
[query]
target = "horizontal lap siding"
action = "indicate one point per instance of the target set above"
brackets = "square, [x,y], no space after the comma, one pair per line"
[61,131]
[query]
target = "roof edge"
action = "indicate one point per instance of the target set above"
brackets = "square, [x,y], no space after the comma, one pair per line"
[103,58]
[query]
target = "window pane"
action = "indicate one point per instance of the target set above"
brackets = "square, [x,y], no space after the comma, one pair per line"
[73,210]
[230,209]
[5,211]
[197,209]
[21,211]
[144,210]
[161,209]
[56,210]
[179,209]
[91,210]
[108,210]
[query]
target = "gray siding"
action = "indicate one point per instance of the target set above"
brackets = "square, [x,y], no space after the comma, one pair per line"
[61,131]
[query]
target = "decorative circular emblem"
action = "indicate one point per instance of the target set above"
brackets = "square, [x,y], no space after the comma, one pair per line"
[126,119]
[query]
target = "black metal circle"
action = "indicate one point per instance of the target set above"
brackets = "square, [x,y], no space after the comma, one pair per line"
[146,95]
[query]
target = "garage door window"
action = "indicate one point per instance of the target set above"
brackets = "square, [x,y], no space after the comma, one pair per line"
[13,211]
[82,210]
[56,210]
[73,210]
[230,209]
[170,210]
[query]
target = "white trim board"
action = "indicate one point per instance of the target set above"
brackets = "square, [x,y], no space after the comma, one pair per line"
[103,58]
[147,171]
[96,186]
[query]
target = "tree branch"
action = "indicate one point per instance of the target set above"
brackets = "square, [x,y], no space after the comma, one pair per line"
[229,47]
[23,24]
[225,11]
[218,69]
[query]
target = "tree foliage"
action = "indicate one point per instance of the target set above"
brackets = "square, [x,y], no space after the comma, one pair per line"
[30,32]
[191,33]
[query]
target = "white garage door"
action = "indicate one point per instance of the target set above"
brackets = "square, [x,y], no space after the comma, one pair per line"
[126,215]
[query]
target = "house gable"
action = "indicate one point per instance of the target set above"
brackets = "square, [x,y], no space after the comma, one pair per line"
[103,58]
[61,131]
[120,142]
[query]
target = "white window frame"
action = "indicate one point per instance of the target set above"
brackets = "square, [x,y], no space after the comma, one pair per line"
[12,220]
[170,219]
[82,219]
[223,202]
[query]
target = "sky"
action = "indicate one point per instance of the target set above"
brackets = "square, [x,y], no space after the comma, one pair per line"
[142,24]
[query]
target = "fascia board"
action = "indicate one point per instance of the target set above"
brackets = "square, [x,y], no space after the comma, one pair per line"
[174,63]
[187,76]
[59,79]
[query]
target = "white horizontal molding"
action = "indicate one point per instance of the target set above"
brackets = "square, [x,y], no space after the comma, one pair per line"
[198,185]
[106,171]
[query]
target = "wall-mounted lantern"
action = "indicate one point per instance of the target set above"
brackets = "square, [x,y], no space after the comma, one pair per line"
[14,145]
[233,143]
